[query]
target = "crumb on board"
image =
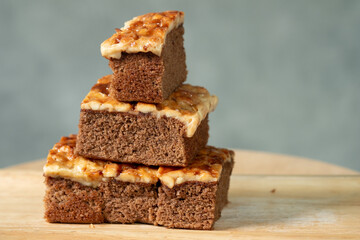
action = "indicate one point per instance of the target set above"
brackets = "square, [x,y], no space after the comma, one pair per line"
[91,225]
[273,190]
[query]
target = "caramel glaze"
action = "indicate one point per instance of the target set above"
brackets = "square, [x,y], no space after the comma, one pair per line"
[207,158]
[67,142]
[147,26]
[64,151]
[184,99]
[102,88]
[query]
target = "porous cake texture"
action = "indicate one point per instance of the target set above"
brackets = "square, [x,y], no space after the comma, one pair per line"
[147,57]
[165,134]
[81,190]
[196,204]
[114,201]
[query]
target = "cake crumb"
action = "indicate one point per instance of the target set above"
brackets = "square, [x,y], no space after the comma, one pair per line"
[273,190]
[91,225]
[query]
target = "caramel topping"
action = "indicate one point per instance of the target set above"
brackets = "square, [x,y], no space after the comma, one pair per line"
[102,88]
[189,104]
[64,149]
[66,141]
[185,99]
[206,167]
[98,98]
[145,33]
[62,162]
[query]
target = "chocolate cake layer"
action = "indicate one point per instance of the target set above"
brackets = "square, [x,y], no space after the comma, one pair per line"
[114,201]
[193,204]
[147,57]
[141,139]
[81,190]
[145,77]
[165,134]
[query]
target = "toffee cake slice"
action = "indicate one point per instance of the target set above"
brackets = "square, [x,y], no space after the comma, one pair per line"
[193,197]
[165,134]
[147,57]
[81,190]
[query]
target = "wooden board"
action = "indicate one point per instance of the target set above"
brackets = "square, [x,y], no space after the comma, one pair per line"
[261,207]
[253,162]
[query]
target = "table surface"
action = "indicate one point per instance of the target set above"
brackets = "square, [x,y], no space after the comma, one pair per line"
[252,162]
[287,198]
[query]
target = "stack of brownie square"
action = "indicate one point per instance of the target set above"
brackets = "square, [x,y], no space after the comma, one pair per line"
[141,154]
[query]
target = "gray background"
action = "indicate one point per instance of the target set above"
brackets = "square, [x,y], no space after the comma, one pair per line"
[286,72]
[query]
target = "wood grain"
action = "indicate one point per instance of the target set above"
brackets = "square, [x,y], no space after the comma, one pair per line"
[251,162]
[261,207]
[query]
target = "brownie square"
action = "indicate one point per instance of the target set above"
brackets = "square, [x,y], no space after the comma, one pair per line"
[146,77]
[166,134]
[141,139]
[195,204]
[80,190]
[147,57]
[68,201]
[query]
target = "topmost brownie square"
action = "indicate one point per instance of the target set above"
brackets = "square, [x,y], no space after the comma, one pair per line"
[147,57]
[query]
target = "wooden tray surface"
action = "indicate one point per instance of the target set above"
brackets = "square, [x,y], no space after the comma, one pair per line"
[261,207]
